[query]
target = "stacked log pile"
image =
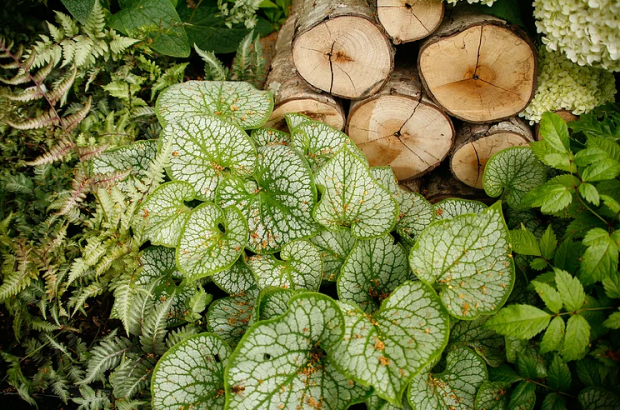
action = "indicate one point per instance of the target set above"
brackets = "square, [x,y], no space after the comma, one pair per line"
[455,102]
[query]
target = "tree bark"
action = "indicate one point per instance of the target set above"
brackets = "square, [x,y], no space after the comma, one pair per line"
[291,93]
[479,68]
[339,48]
[441,184]
[409,20]
[476,143]
[400,128]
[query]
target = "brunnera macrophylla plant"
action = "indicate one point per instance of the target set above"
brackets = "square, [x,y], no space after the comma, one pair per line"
[270,217]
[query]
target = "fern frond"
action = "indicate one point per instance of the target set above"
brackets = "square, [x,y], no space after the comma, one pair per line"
[154,328]
[102,181]
[18,183]
[126,296]
[119,43]
[17,279]
[106,356]
[43,326]
[242,60]
[67,23]
[58,152]
[60,387]
[58,346]
[91,152]
[71,121]
[129,404]
[28,94]
[78,300]
[142,112]
[63,86]
[95,24]
[179,334]
[80,187]
[92,399]
[214,69]
[47,119]
[57,33]
[19,78]
[131,377]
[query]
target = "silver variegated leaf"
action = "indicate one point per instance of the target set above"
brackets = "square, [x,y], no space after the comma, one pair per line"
[451,207]
[272,302]
[135,157]
[212,240]
[492,396]
[157,261]
[351,197]
[191,375]
[238,279]
[281,363]
[453,389]
[373,269]
[294,119]
[334,246]
[230,317]
[205,150]
[278,204]
[468,260]
[386,349]
[165,212]
[268,136]
[472,333]
[234,101]
[299,267]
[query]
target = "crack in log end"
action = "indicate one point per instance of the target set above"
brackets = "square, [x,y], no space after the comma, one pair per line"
[478,163]
[331,67]
[475,76]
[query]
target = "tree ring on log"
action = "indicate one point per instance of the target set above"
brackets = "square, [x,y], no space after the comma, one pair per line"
[345,56]
[332,115]
[409,20]
[482,73]
[407,134]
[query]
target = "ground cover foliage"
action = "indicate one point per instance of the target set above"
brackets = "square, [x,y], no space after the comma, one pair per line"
[165,251]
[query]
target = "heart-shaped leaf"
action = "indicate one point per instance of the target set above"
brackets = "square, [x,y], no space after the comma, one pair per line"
[454,388]
[351,197]
[492,396]
[278,205]
[238,279]
[468,260]
[320,142]
[334,246]
[212,240]
[484,341]
[268,136]
[165,212]
[596,398]
[452,207]
[191,374]
[158,261]
[386,349]
[281,363]
[514,171]
[136,157]
[300,267]
[295,119]
[415,212]
[373,269]
[272,302]
[234,101]
[205,150]
[229,317]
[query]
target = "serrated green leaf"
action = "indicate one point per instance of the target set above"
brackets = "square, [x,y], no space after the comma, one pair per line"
[212,240]
[549,295]
[559,377]
[513,172]
[468,259]
[205,150]
[567,256]
[373,269]
[600,258]
[135,157]
[165,212]
[386,349]
[415,212]
[229,317]
[299,267]
[352,198]
[80,9]
[589,156]
[611,203]
[538,264]
[553,401]
[613,321]
[267,136]
[334,247]
[601,170]
[589,192]
[492,396]
[234,101]
[504,373]
[523,397]
[570,289]
[191,374]
[554,131]
[454,388]
[236,280]
[278,204]
[554,336]
[156,20]
[452,207]
[530,364]
[596,398]
[320,142]
[519,321]
[473,334]
[549,156]
[524,242]
[280,362]
[577,338]
[554,195]
[548,243]
[612,285]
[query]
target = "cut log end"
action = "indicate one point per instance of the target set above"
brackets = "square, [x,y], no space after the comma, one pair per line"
[345,56]
[483,73]
[330,114]
[409,135]
[409,20]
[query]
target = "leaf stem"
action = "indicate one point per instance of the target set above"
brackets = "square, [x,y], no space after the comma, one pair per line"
[549,388]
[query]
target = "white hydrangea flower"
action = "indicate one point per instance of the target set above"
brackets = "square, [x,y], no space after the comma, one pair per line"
[588,31]
[239,11]
[564,85]
[485,2]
